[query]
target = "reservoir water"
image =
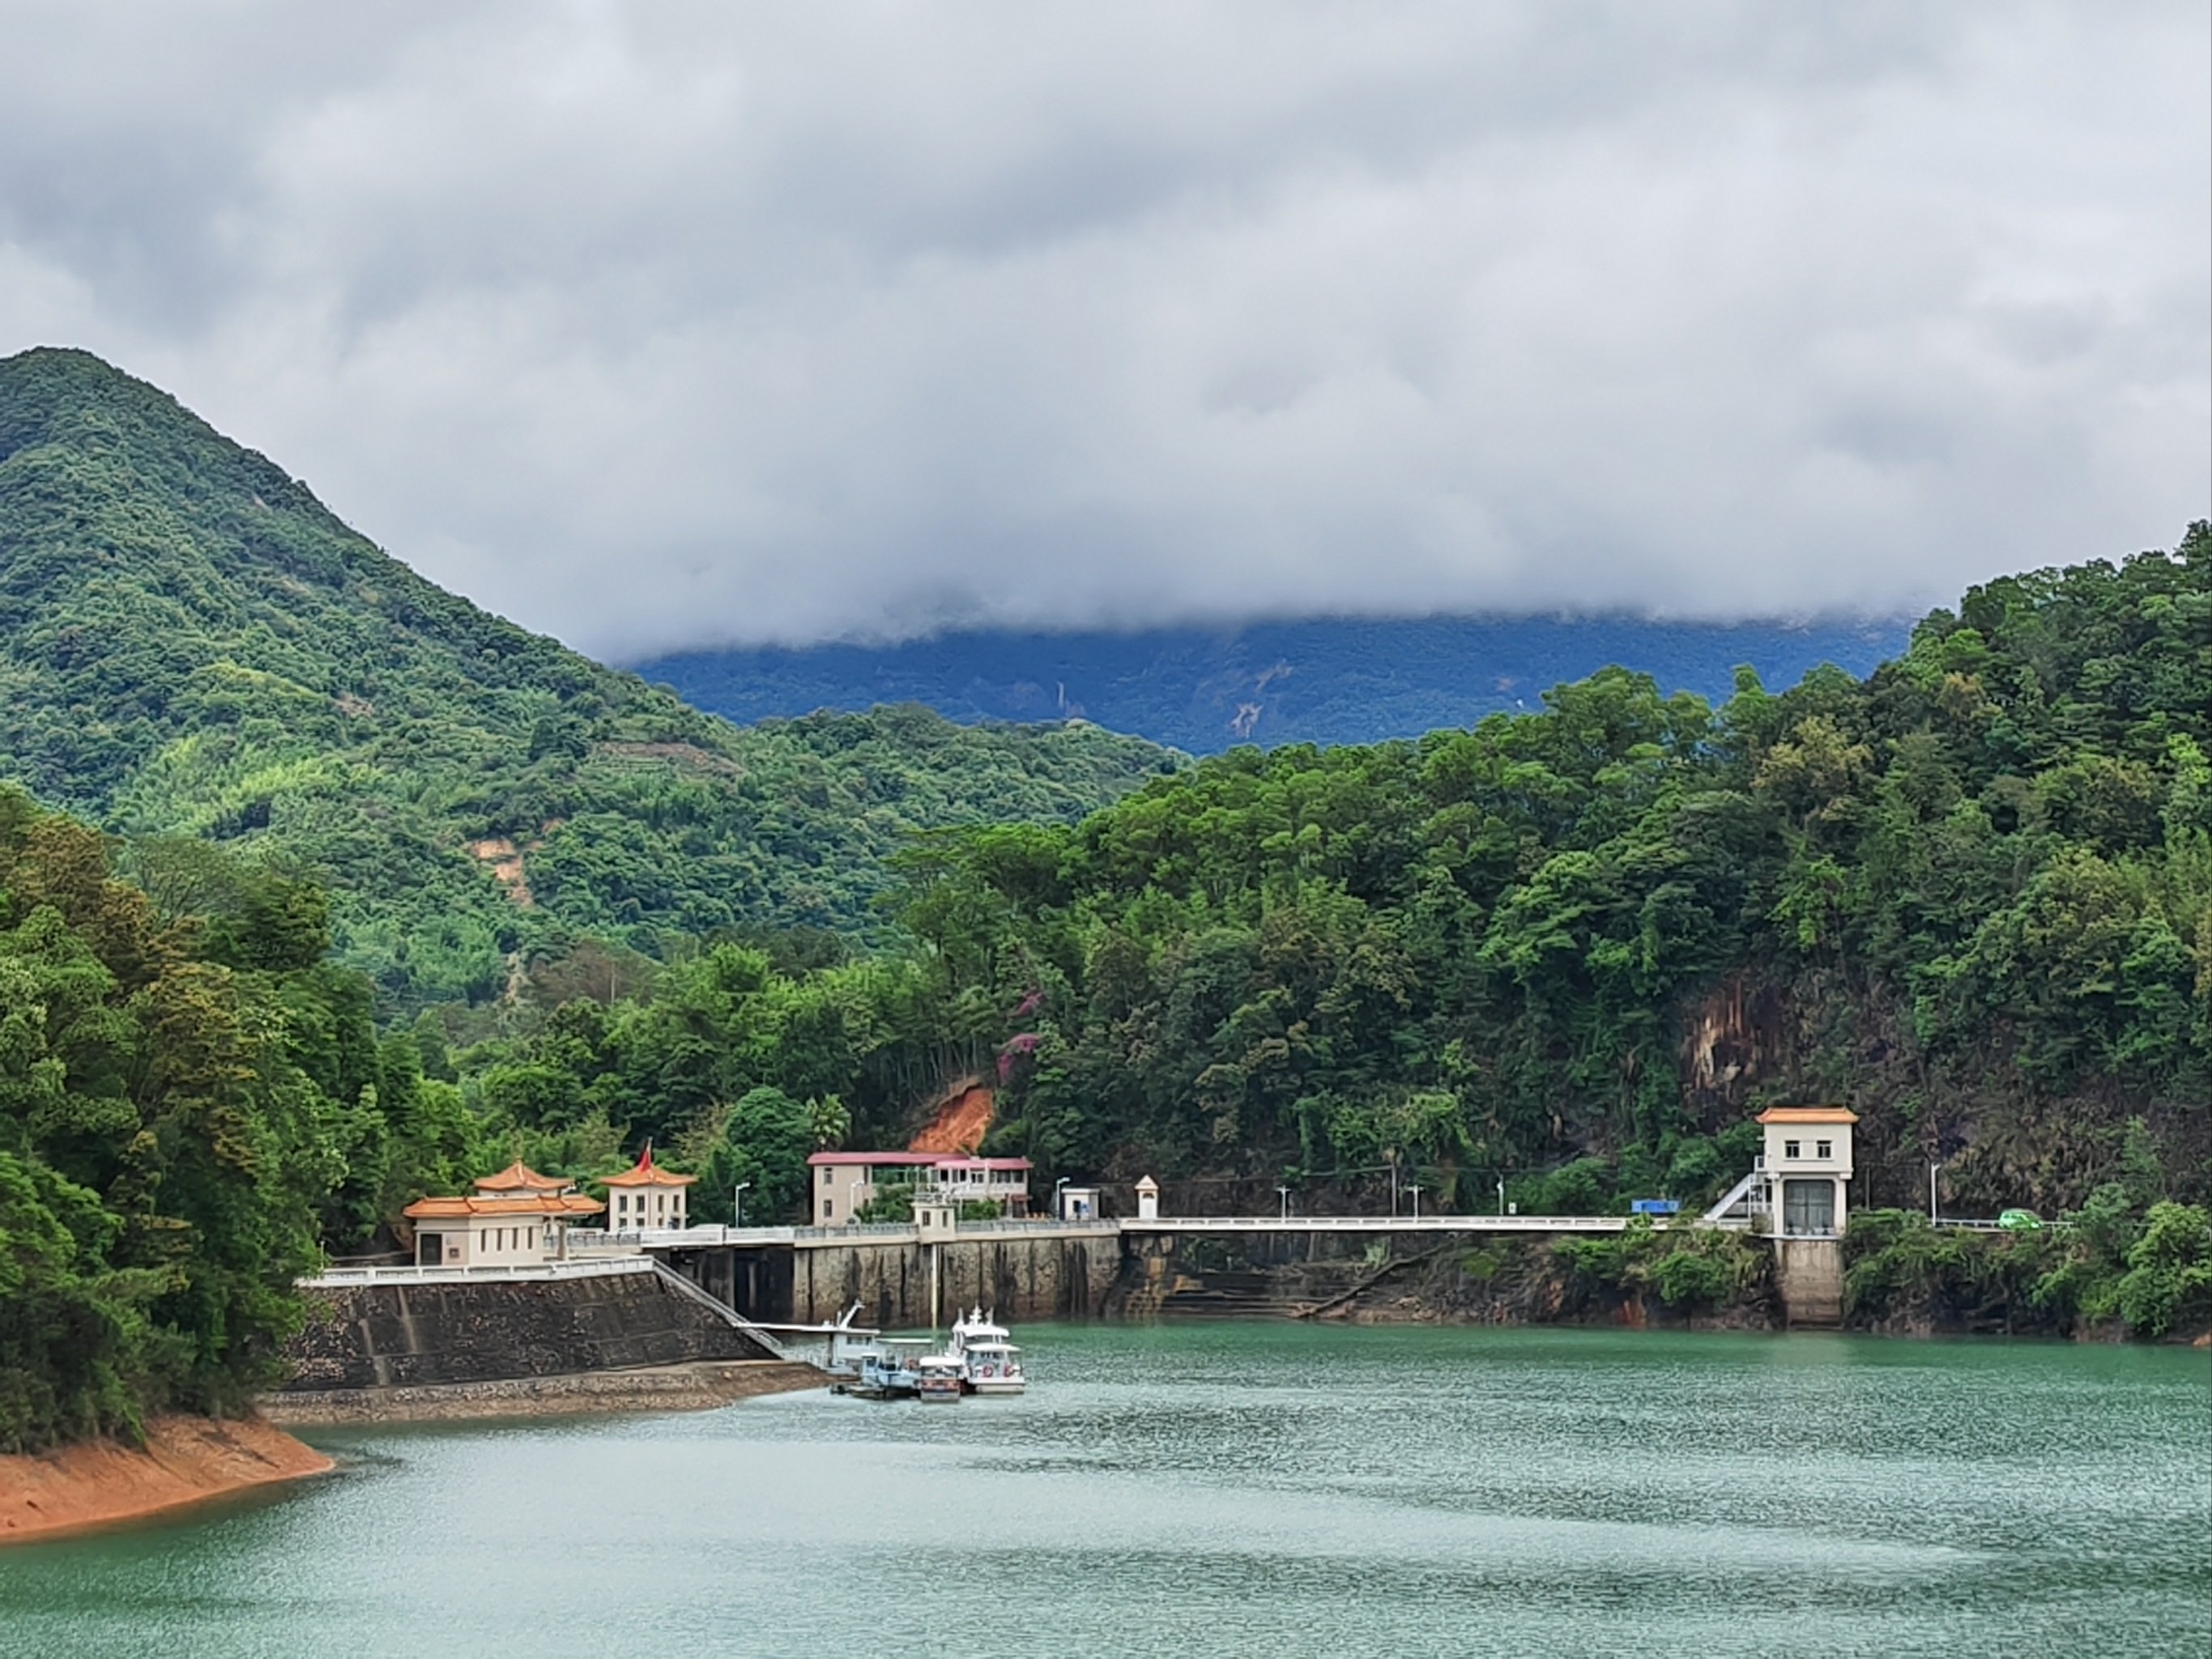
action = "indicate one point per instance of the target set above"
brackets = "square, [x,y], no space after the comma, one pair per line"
[1197,1491]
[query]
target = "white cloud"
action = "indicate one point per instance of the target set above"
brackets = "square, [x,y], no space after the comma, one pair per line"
[661,325]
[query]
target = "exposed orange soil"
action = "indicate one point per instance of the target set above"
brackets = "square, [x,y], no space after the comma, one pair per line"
[959,1123]
[506,861]
[186,1460]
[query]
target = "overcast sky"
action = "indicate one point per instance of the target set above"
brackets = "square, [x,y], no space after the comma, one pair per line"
[671,323]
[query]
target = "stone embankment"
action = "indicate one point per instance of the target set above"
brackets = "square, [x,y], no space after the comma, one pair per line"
[699,1386]
[617,1336]
[397,1334]
[184,1461]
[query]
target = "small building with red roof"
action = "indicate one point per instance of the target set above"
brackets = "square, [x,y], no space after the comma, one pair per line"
[514,1218]
[646,1197]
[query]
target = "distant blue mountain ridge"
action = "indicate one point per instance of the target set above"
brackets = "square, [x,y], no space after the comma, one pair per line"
[1322,682]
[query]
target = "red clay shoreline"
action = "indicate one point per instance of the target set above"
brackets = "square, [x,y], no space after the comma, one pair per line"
[185,1460]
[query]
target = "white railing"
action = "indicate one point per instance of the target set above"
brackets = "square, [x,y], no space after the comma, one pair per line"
[599,1246]
[1041,1227]
[591,1243]
[480,1272]
[1364,1224]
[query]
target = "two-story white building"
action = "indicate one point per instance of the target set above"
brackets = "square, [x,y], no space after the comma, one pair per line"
[1808,1166]
[841,1184]
[646,1198]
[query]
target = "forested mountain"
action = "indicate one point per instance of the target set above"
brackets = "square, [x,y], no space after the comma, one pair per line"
[1568,950]
[1573,949]
[191,644]
[1970,895]
[1320,681]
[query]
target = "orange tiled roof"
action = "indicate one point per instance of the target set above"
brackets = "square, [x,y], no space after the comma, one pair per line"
[647,1175]
[449,1209]
[518,1176]
[1808,1114]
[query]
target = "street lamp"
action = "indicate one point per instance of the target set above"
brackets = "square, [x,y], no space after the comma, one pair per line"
[1284,1193]
[738,1205]
[1501,1195]
[1415,1187]
[1933,1220]
[1057,1214]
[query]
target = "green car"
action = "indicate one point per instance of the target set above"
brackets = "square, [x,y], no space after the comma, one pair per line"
[2020,1221]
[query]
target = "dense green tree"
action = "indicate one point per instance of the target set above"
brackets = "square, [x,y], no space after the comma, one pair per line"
[182,1108]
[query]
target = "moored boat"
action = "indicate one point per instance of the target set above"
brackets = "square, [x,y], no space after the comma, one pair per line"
[888,1369]
[989,1361]
[938,1378]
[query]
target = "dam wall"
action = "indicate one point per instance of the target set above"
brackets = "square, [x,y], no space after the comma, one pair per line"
[388,1332]
[1031,1273]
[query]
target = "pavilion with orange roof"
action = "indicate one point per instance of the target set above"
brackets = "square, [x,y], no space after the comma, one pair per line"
[645,1196]
[514,1218]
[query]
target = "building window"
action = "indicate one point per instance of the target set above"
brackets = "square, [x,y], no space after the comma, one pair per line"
[828,1208]
[1824,1149]
[825,1175]
[1789,1149]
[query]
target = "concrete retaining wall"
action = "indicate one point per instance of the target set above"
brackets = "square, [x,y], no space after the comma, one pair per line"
[1023,1277]
[1810,1271]
[378,1336]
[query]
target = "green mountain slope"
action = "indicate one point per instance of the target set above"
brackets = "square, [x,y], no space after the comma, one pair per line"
[1970,895]
[189,642]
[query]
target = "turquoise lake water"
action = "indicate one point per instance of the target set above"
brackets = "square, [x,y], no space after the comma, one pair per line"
[1240,1489]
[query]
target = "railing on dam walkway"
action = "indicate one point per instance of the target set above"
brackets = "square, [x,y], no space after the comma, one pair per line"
[592,1241]
[1371,1224]
[613,1245]
[597,1267]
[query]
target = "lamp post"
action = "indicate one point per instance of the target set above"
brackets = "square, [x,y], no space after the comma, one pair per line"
[1284,1193]
[1501,1195]
[1932,1219]
[1415,1187]
[738,1205]
[1057,1214]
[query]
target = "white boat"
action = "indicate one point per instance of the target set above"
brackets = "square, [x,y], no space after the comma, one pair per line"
[989,1361]
[939,1378]
[890,1368]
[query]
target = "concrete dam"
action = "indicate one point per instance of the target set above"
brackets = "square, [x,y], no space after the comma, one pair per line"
[806,1276]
